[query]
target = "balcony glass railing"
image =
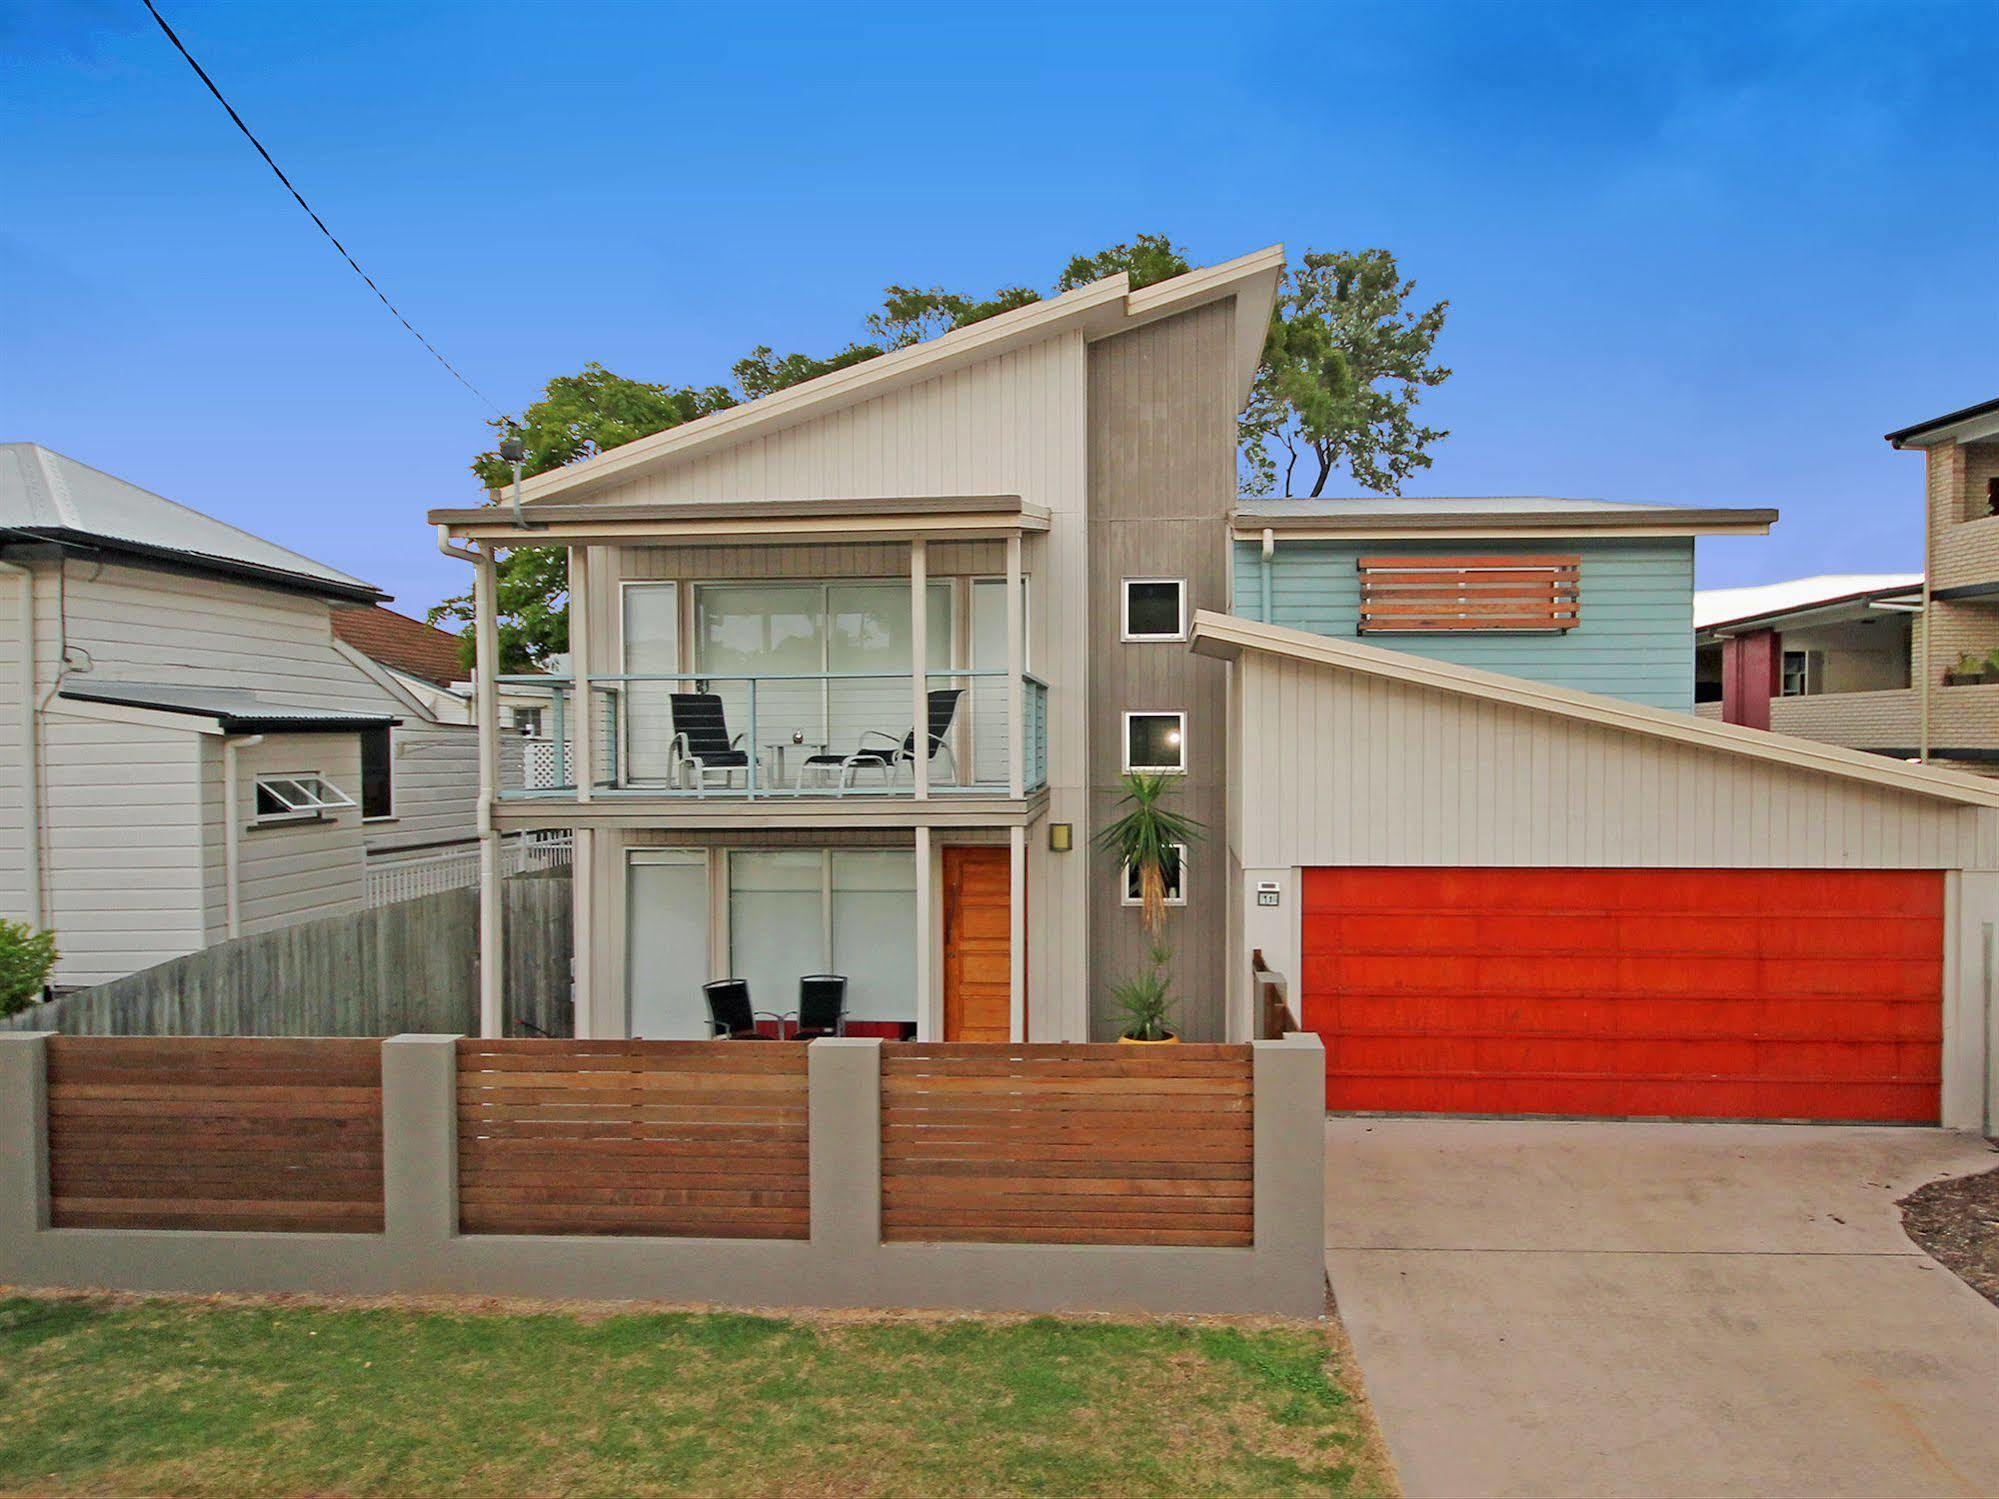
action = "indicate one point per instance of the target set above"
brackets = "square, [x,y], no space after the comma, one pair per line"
[818,734]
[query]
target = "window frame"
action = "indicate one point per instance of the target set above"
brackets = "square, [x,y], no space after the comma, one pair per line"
[1124,743]
[1130,636]
[1127,898]
[305,806]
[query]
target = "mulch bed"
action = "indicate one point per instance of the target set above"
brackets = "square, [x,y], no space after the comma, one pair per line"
[1957,1221]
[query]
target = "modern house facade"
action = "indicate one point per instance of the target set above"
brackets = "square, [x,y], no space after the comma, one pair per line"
[1444,752]
[192,753]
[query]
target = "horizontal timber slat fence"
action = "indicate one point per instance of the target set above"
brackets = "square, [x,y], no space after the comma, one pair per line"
[632,1137]
[1083,1144]
[254,1135]
[845,1172]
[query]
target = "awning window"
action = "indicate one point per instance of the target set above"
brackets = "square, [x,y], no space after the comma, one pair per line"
[285,798]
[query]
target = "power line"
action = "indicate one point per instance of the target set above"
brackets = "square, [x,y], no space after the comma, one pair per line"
[250,136]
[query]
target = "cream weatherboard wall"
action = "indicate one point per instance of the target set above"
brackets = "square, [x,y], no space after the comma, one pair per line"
[13,763]
[1014,425]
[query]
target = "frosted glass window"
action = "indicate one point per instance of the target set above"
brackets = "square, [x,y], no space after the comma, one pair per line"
[666,943]
[777,923]
[874,931]
[652,648]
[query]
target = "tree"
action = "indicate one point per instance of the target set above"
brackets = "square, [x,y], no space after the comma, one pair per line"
[577,417]
[1147,259]
[1344,366]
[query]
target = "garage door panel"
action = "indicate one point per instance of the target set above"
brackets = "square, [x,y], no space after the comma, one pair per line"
[1689,993]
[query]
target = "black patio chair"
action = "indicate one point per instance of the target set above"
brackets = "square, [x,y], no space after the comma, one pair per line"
[889,752]
[822,1007]
[730,1014]
[701,740]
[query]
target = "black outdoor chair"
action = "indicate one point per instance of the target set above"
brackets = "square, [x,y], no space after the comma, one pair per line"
[730,1013]
[822,1007]
[701,739]
[890,752]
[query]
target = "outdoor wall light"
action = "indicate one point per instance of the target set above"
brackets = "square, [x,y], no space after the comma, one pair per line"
[1061,837]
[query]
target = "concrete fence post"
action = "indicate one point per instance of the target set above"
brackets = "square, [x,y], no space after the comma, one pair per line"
[1289,1077]
[843,1113]
[420,1158]
[24,1149]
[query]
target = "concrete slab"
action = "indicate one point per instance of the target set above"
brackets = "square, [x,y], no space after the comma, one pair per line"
[1612,1309]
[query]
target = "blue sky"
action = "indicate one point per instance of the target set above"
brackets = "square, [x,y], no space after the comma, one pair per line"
[1700,254]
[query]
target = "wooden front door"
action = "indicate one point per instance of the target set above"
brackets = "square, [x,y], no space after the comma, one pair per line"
[978,928]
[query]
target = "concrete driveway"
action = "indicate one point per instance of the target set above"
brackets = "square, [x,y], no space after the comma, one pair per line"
[1660,1309]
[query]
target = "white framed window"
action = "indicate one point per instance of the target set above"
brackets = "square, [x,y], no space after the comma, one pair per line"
[1802,671]
[1155,609]
[298,798]
[1176,878]
[1156,743]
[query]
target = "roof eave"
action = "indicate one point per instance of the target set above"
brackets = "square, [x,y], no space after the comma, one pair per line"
[1539,525]
[1979,421]
[173,559]
[1225,637]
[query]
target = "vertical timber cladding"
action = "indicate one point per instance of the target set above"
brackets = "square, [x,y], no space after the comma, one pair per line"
[1162,467]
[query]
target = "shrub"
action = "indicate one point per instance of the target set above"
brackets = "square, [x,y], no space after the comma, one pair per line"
[26,956]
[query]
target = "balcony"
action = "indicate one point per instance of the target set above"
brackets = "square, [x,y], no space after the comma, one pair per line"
[813,737]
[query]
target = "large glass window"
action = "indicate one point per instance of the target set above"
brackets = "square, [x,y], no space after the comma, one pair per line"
[847,911]
[666,943]
[778,630]
[651,625]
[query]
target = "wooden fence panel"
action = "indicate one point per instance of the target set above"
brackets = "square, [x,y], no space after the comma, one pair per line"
[410,966]
[1068,1144]
[681,1139]
[215,1134]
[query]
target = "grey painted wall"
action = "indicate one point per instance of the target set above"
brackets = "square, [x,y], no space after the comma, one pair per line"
[1634,640]
[1162,479]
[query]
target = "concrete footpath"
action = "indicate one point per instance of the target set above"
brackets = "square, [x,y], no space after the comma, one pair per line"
[1660,1309]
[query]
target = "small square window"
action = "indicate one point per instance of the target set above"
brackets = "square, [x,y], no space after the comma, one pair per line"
[1176,884]
[1155,609]
[1155,742]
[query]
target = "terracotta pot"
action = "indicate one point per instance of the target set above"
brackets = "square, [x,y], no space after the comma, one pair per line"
[1169,1040]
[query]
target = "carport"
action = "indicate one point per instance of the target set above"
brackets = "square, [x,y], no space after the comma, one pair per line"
[1494,896]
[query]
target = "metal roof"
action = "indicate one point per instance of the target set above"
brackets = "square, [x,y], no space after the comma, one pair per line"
[57,499]
[236,711]
[1936,423]
[1388,513]
[1717,607]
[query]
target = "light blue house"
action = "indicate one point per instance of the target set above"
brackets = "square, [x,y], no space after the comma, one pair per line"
[1592,595]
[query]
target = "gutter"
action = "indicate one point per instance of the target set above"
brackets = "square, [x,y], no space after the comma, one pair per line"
[30,748]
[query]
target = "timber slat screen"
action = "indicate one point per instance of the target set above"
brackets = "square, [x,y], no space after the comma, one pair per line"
[662,1138]
[1067,1144]
[1443,595]
[174,1132]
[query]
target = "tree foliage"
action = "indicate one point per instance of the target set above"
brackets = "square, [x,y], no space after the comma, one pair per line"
[1344,366]
[27,958]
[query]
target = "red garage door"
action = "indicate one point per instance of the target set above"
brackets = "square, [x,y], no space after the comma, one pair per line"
[1692,993]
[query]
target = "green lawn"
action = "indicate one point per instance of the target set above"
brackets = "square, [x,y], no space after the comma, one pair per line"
[182,1397]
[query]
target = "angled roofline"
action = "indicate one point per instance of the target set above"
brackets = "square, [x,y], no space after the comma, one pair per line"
[1226,637]
[1935,426]
[1641,520]
[1101,308]
[193,564]
[1814,606]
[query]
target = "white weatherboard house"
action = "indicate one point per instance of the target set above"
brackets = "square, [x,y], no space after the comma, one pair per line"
[865,661]
[189,753]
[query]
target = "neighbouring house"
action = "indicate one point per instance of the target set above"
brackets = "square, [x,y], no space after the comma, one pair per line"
[428,663]
[192,752]
[864,662]
[1828,658]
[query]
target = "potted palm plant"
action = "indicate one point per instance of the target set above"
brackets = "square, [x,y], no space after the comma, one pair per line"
[1146,838]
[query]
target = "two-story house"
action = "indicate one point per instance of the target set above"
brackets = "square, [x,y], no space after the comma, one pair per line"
[191,752]
[856,670]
